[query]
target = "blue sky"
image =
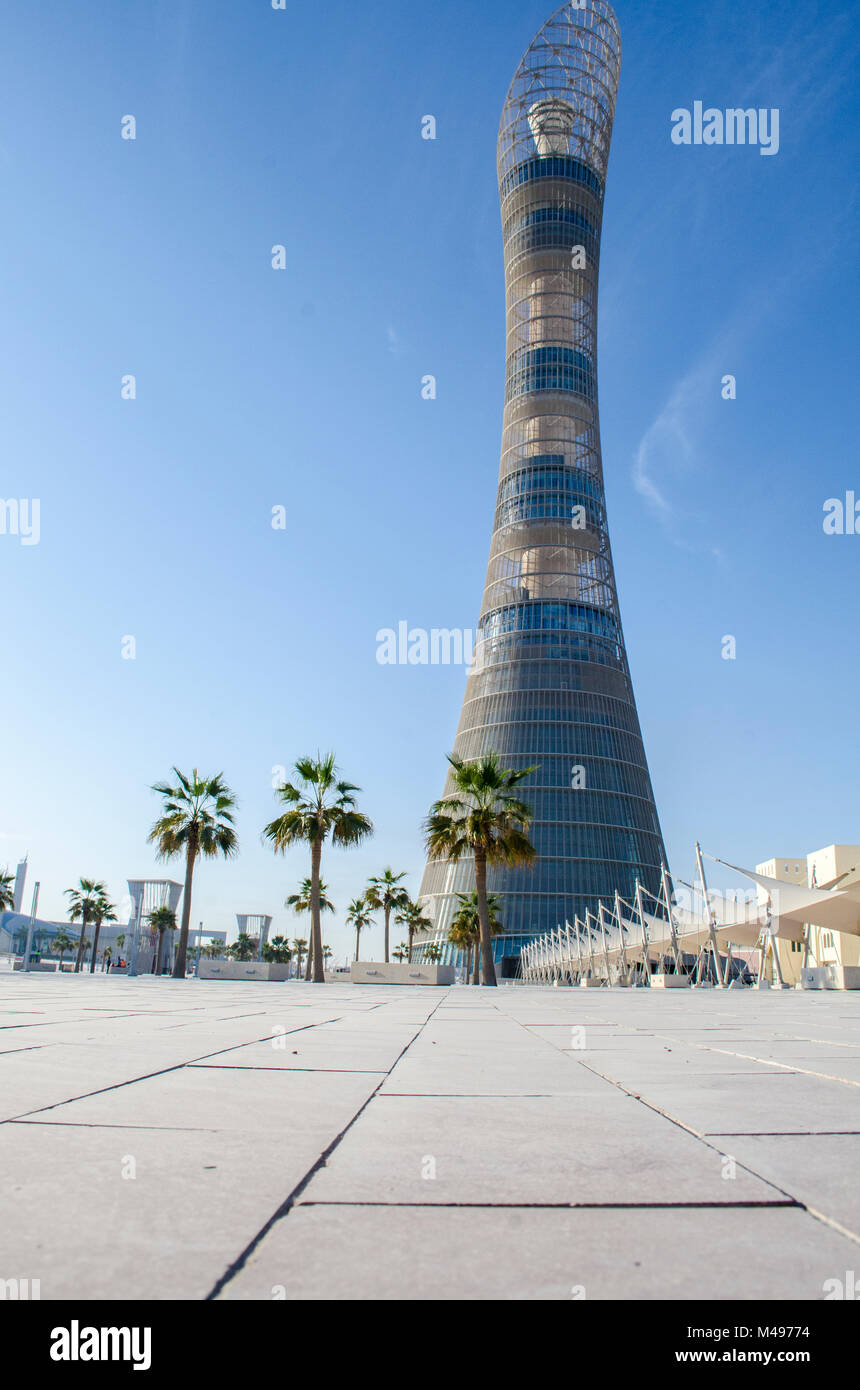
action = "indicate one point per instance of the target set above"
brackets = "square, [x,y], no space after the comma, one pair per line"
[301,388]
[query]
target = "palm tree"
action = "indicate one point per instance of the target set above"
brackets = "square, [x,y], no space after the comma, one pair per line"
[319,807]
[103,911]
[401,952]
[243,948]
[433,953]
[196,820]
[7,891]
[82,903]
[411,916]
[62,943]
[483,819]
[326,955]
[303,902]
[465,929]
[161,919]
[359,917]
[461,937]
[300,945]
[384,892]
[277,951]
[213,950]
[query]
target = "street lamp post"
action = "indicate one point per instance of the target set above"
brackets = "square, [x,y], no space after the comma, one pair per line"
[25,964]
[132,960]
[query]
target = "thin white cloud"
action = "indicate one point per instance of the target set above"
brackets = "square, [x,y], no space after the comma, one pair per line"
[665,448]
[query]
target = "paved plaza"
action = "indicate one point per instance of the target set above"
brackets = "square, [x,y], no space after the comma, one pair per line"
[164,1139]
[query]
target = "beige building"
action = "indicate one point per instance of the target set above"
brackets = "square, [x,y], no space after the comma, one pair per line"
[821,869]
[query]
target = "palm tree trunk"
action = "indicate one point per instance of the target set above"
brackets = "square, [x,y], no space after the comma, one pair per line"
[487,966]
[357,935]
[182,950]
[95,947]
[476,972]
[79,957]
[318,968]
[387,916]
[310,956]
[411,935]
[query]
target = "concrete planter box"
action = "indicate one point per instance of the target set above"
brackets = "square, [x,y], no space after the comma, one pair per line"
[830,977]
[374,972]
[670,982]
[590,983]
[815,977]
[242,970]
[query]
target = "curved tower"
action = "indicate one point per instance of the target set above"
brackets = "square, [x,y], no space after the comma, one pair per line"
[551,685]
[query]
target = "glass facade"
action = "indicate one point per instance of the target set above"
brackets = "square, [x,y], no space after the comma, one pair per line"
[550,369]
[552,167]
[551,688]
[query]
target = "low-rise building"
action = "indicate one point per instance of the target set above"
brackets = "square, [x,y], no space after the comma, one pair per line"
[832,867]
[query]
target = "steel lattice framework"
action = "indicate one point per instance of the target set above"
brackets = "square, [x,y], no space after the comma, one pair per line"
[551,685]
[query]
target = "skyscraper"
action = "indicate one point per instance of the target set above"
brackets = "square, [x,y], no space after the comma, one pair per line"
[551,685]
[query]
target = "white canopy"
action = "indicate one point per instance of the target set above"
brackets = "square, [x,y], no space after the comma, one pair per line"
[836,909]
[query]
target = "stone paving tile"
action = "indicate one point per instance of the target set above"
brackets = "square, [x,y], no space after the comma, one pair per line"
[320,1049]
[429,1070]
[639,1073]
[820,1170]
[247,1135]
[50,1075]
[593,1149]
[207,1098]
[70,1219]
[424,1253]
[779,1102]
[55,1072]
[840,1069]
[11,1043]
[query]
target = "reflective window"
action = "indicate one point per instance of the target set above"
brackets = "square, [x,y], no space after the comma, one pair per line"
[546,488]
[562,617]
[552,166]
[555,227]
[550,369]
[546,473]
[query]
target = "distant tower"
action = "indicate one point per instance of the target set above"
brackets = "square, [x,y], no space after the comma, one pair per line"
[20,880]
[257,925]
[145,895]
[551,685]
